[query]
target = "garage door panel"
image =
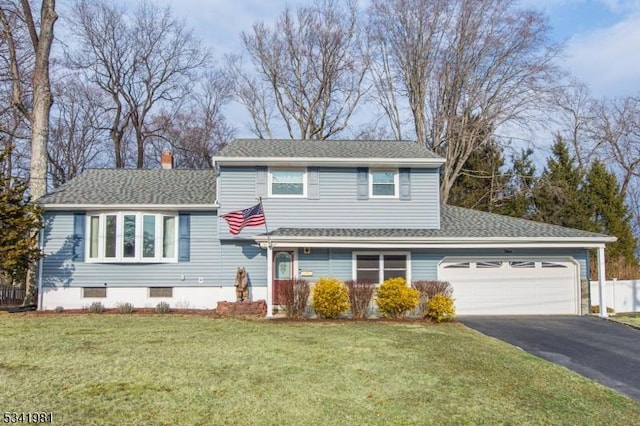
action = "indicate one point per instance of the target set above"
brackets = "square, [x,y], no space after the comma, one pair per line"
[515,287]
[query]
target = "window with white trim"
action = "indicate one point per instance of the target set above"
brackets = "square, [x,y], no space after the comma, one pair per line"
[287,182]
[132,237]
[383,183]
[377,267]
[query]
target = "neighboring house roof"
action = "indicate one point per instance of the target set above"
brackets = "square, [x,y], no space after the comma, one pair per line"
[100,188]
[457,225]
[268,151]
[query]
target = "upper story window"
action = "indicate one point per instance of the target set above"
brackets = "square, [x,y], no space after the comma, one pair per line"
[132,237]
[287,182]
[383,183]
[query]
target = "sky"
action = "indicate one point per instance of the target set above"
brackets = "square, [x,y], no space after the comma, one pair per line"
[601,37]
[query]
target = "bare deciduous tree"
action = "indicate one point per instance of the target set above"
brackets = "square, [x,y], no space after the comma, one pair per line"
[617,132]
[308,74]
[30,80]
[14,125]
[143,61]
[78,130]
[575,113]
[198,129]
[31,89]
[461,67]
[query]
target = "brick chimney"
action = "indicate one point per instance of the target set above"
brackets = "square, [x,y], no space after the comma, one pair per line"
[166,161]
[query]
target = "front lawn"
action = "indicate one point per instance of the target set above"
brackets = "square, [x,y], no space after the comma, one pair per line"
[171,369]
[631,319]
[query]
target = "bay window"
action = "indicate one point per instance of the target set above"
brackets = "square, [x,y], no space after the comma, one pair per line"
[131,237]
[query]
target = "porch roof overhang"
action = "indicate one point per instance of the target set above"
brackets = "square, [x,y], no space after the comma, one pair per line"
[417,238]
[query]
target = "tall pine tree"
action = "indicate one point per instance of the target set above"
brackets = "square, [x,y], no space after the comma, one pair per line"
[517,197]
[481,181]
[556,197]
[609,213]
[20,221]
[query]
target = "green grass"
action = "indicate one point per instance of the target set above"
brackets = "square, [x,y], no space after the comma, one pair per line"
[169,369]
[631,319]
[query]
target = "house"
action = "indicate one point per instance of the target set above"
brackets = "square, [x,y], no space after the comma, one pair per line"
[347,209]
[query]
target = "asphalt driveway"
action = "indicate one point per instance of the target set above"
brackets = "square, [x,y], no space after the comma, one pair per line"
[604,351]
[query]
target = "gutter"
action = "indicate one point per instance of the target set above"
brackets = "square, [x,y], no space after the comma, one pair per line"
[329,161]
[136,207]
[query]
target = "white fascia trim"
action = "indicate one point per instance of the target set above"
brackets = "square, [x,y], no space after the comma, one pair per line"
[137,207]
[431,244]
[338,161]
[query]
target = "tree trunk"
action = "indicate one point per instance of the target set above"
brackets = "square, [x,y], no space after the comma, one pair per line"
[39,118]
[41,107]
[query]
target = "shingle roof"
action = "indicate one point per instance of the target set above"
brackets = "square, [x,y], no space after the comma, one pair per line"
[275,148]
[124,186]
[456,222]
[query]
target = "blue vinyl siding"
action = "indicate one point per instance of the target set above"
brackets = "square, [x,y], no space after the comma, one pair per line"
[216,261]
[317,262]
[243,253]
[338,204]
[205,260]
[341,264]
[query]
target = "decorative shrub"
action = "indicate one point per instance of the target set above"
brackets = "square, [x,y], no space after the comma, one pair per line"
[125,308]
[96,308]
[295,295]
[163,308]
[394,298]
[330,297]
[360,295]
[58,309]
[440,308]
[428,289]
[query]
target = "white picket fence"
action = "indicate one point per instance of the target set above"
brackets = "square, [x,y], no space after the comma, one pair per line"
[621,295]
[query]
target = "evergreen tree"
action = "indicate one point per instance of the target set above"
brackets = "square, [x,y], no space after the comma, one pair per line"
[557,198]
[481,182]
[20,221]
[517,197]
[608,212]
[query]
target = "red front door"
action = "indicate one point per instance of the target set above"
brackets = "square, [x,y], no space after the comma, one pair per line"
[282,271]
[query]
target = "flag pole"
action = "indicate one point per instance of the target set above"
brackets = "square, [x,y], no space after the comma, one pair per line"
[265,222]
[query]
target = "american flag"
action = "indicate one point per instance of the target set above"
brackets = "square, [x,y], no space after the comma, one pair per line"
[252,216]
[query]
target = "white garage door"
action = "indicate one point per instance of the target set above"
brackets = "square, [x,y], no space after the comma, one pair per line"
[512,286]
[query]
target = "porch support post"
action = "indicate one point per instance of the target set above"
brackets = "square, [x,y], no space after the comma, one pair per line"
[269,281]
[601,283]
